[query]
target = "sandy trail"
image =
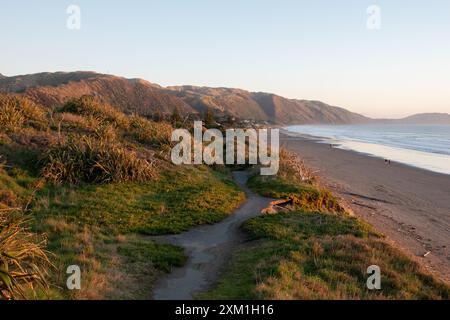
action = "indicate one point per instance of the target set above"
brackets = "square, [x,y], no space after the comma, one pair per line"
[409,205]
[208,248]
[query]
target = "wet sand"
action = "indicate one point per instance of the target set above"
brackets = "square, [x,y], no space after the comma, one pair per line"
[208,248]
[409,205]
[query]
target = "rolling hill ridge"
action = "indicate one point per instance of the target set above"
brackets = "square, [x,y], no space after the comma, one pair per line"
[146,98]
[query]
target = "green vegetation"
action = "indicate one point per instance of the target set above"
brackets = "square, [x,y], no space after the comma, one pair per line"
[303,195]
[163,256]
[16,114]
[89,225]
[173,203]
[94,161]
[95,181]
[23,261]
[316,251]
[306,255]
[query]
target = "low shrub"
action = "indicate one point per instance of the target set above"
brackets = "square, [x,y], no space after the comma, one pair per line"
[89,106]
[155,134]
[85,159]
[16,113]
[293,168]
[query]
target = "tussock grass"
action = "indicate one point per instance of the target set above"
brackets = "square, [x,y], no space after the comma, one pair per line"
[89,106]
[23,260]
[17,113]
[293,168]
[154,134]
[84,159]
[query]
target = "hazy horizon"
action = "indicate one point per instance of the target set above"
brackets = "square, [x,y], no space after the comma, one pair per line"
[299,49]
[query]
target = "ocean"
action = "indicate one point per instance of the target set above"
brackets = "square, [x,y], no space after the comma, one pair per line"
[423,146]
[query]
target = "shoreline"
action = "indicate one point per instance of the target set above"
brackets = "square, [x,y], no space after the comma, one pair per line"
[341,145]
[409,205]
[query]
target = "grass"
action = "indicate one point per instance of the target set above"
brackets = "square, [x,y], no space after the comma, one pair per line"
[97,181]
[17,113]
[90,108]
[162,256]
[101,228]
[84,159]
[99,201]
[154,134]
[304,195]
[307,255]
[23,259]
[316,251]
[173,203]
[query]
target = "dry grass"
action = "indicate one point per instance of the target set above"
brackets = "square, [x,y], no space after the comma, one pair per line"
[293,168]
[310,256]
[16,113]
[89,106]
[23,261]
[154,134]
[85,159]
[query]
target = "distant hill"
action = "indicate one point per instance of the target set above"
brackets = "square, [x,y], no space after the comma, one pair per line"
[291,111]
[235,102]
[426,118]
[145,98]
[23,82]
[130,95]
[264,106]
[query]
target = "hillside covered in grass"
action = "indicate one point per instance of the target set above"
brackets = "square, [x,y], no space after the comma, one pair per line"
[95,182]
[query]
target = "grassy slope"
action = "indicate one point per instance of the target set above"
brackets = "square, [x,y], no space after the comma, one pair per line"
[307,254]
[176,201]
[103,228]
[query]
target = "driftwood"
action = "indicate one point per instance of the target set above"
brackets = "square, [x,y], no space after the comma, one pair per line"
[278,205]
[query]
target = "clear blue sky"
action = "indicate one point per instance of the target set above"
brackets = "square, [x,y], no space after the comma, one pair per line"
[317,49]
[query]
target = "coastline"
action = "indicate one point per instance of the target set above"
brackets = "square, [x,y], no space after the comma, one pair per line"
[417,158]
[408,204]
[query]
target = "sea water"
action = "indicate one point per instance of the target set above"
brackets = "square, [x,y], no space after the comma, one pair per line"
[423,146]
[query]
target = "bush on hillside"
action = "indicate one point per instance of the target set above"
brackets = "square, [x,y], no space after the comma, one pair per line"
[85,159]
[89,106]
[292,167]
[17,113]
[155,134]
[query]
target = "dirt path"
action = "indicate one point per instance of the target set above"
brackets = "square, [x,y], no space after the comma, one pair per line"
[207,247]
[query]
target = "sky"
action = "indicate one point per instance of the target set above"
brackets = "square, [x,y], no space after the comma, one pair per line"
[317,49]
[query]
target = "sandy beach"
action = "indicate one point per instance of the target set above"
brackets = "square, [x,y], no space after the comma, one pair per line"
[409,205]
